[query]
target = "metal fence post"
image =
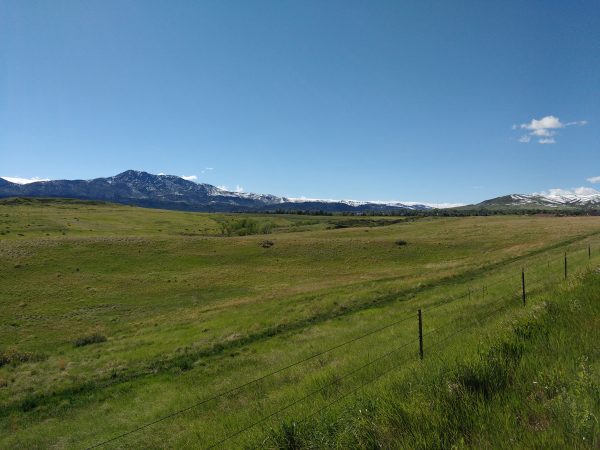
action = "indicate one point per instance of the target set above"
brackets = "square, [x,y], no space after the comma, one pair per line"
[420,334]
[523,285]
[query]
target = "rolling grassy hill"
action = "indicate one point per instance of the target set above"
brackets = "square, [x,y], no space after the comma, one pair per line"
[115,316]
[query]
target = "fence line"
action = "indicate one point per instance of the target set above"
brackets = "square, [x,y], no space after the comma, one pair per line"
[376,378]
[344,376]
[310,394]
[442,302]
[255,380]
[437,344]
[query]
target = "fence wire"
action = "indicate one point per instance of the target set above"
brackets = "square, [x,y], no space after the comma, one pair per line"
[531,282]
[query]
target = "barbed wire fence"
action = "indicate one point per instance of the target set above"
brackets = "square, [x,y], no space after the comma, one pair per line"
[526,284]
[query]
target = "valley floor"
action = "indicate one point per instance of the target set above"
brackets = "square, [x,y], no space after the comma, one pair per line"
[115,317]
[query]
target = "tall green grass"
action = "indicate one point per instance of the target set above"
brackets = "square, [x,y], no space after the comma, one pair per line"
[536,384]
[188,314]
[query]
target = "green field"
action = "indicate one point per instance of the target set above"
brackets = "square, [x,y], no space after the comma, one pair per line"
[114,317]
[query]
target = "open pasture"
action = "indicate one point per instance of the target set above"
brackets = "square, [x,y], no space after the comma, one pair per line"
[115,316]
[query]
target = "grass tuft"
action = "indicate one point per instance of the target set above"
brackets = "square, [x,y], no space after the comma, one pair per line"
[94,338]
[14,357]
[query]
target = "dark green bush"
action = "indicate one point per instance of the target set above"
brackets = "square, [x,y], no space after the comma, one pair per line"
[245,227]
[94,338]
[14,357]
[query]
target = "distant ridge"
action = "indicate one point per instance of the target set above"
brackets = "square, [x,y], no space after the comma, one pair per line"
[139,188]
[551,201]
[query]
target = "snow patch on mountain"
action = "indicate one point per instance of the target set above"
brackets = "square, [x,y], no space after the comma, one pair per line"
[396,203]
[19,180]
[173,191]
[582,196]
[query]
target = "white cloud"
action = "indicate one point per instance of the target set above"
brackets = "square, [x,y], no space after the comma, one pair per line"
[579,123]
[543,132]
[594,180]
[239,189]
[19,180]
[544,128]
[548,122]
[189,177]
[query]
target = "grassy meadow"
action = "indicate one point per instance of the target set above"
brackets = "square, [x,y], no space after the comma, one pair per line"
[114,317]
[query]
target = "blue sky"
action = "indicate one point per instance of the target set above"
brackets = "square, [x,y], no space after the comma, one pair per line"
[413,100]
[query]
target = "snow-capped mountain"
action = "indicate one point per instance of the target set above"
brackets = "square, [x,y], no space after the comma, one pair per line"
[555,198]
[138,188]
[172,192]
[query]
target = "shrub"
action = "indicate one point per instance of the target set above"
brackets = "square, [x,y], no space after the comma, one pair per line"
[267,244]
[245,227]
[89,339]
[266,228]
[401,242]
[14,357]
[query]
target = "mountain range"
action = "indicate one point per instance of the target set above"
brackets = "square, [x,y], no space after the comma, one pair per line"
[557,199]
[138,188]
[173,192]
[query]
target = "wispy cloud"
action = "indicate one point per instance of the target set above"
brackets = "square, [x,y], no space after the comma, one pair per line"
[19,180]
[594,180]
[544,129]
[207,169]
[189,177]
[525,139]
